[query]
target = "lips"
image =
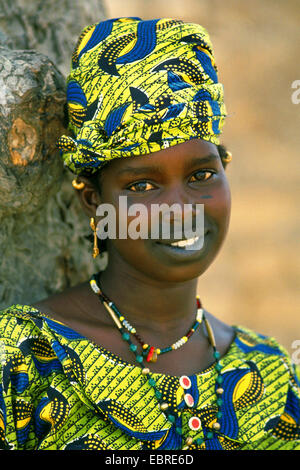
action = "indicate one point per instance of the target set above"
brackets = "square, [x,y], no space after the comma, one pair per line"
[188,248]
[180,243]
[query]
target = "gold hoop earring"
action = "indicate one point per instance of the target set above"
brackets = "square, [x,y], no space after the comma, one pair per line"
[95,247]
[228,157]
[77,185]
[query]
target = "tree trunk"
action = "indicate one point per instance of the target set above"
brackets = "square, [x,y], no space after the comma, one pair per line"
[43,228]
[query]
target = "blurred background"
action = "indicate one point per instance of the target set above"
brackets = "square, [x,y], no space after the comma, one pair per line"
[254,281]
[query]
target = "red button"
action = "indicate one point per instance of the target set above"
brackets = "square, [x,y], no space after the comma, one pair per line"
[189,400]
[185,382]
[194,423]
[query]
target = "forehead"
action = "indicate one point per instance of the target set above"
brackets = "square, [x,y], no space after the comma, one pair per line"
[181,155]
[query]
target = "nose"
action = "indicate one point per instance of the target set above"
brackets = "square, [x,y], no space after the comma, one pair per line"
[181,213]
[183,203]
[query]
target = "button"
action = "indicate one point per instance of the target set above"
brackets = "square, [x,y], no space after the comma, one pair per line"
[194,423]
[189,400]
[185,382]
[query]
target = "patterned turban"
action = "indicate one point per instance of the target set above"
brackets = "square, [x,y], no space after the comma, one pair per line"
[137,87]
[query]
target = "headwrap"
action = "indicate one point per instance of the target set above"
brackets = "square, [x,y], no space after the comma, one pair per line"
[137,87]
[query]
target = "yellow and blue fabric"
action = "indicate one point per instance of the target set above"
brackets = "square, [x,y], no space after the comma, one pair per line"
[137,87]
[60,391]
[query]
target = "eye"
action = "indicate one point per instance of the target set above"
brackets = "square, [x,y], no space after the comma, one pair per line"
[202,175]
[140,186]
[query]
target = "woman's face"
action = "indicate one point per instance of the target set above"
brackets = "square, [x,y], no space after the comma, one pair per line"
[189,173]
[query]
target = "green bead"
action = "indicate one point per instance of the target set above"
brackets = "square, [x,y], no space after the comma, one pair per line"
[126,336]
[152,382]
[179,431]
[219,414]
[216,355]
[133,347]
[199,442]
[139,358]
[219,401]
[218,367]
[220,379]
[158,394]
[171,418]
[210,435]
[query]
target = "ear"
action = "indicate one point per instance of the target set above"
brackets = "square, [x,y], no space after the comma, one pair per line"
[89,196]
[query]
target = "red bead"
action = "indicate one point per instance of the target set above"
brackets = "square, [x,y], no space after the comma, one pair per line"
[185,382]
[150,354]
[198,303]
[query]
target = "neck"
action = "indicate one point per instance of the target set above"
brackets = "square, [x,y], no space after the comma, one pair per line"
[148,303]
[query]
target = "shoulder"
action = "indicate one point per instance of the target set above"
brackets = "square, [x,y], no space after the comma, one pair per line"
[25,334]
[29,336]
[18,321]
[261,384]
[26,355]
[249,340]
[33,348]
[271,360]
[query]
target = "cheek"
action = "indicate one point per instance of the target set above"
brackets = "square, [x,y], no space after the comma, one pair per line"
[218,207]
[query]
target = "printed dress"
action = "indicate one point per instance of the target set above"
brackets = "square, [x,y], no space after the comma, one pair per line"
[60,391]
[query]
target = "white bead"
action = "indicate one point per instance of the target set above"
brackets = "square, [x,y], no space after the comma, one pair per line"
[199,314]
[95,287]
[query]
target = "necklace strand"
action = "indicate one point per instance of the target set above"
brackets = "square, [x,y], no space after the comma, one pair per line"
[185,382]
[149,352]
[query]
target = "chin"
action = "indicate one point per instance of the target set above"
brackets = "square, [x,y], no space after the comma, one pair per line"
[184,272]
[163,264]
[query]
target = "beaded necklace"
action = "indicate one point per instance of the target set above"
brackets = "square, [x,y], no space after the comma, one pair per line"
[149,352]
[185,382]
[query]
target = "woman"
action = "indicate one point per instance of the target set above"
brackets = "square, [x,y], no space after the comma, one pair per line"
[130,360]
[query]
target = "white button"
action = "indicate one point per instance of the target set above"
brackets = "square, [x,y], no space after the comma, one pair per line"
[194,423]
[185,382]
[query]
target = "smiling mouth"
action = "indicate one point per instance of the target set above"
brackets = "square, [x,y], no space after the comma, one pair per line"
[194,243]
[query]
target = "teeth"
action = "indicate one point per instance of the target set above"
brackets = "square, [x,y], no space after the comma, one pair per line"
[183,243]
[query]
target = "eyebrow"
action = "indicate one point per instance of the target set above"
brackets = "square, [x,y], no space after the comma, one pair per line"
[211,157]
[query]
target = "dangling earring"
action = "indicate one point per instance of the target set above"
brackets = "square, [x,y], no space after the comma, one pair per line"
[95,248]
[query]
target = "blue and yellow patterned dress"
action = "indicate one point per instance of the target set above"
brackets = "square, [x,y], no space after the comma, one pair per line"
[60,391]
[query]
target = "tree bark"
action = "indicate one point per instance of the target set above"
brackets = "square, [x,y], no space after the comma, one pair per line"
[43,229]
[51,27]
